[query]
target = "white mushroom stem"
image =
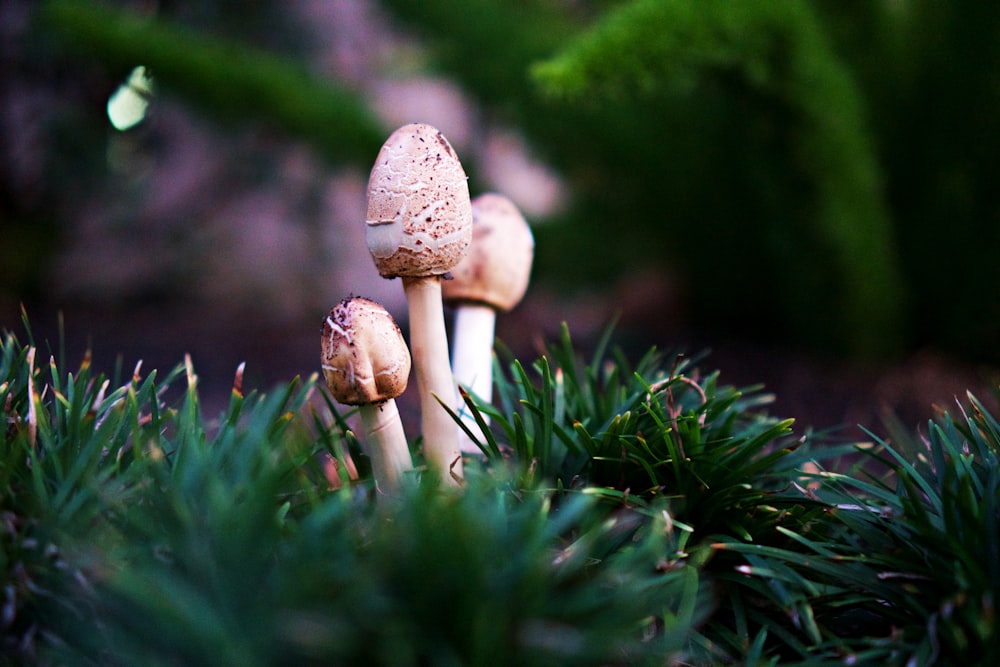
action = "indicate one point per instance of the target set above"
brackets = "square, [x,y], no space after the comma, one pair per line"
[429,348]
[472,361]
[491,278]
[418,227]
[385,445]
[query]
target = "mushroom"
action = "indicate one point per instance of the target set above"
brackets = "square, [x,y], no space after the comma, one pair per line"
[492,277]
[366,363]
[419,225]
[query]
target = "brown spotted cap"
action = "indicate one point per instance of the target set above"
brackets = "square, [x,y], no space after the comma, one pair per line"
[419,220]
[496,269]
[364,357]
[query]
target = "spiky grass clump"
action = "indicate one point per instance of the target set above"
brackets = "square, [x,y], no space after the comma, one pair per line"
[149,534]
[619,516]
[926,538]
[484,577]
[664,436]
[66,455]
[900,567]
[804,563]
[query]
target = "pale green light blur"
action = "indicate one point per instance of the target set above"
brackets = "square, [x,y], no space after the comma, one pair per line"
[127,106]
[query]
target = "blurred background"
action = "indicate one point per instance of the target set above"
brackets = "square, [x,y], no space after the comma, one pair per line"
[805,190]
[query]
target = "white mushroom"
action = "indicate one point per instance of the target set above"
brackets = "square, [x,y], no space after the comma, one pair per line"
[419,225]
[366,363]
[492,277]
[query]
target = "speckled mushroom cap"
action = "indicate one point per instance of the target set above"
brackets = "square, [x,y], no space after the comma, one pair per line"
[419,220]
[496,269]
[364,357]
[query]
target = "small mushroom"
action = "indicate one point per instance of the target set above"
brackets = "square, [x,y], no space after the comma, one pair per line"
[492,278]
[366,363]
[419,225]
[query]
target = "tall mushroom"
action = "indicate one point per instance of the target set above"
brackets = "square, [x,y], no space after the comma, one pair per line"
[366,363]
[419,225]
[492,277]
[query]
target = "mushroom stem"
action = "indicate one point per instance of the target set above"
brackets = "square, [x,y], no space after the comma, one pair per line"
[429,348]
[472,361]
[386,446]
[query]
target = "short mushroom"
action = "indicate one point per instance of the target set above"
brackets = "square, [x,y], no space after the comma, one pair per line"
[419,225]
[492,278]
[366,363]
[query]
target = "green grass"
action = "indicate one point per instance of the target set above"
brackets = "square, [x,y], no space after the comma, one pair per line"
[620,514]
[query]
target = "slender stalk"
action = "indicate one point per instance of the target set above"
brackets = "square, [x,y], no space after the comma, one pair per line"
[429,348]
[386,446]
[472,360]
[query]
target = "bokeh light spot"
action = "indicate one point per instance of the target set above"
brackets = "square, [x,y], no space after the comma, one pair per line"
[128,104]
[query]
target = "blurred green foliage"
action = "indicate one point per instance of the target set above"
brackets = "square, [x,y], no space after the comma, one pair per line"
[794,161]
[811,188]
[811,173]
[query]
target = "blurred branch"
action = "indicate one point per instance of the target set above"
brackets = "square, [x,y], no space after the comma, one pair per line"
[230,81]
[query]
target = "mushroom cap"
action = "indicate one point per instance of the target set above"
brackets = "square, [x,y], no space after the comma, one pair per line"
[419,220]
[364,357]
[496,269]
